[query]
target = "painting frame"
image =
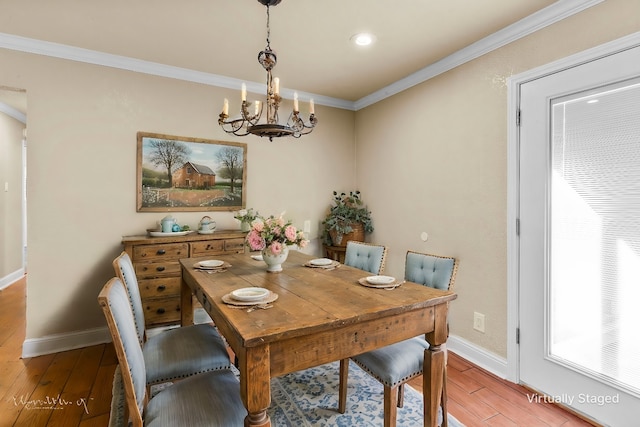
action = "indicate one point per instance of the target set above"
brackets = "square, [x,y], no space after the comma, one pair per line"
[186,174]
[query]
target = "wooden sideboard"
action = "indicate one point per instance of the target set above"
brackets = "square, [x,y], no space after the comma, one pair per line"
[156,262]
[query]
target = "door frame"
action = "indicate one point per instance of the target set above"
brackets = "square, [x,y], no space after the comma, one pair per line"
[513,179]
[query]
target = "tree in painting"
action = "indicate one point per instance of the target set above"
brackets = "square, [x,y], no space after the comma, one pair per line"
[168,154]
[231,165]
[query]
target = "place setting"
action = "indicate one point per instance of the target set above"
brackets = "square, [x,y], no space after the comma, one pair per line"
[251,299]
[381,282]
[212,266]
[322,263]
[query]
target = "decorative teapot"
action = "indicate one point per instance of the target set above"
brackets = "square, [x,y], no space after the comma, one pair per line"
[206,225]
[167,224]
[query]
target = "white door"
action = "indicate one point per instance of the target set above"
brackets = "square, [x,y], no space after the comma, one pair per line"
[579,209]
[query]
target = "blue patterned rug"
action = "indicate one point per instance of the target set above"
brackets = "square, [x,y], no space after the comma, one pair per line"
[310,398]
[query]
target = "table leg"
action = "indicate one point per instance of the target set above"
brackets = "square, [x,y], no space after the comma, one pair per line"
[255,385]
[433,375]
[186,305]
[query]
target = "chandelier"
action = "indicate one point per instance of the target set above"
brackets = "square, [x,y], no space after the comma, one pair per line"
[249,120]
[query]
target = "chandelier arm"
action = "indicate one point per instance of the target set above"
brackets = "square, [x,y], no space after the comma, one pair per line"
[235,127]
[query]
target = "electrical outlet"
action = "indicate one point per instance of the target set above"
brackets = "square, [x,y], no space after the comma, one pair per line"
[478,321]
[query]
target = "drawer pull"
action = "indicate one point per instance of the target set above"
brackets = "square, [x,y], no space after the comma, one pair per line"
[161,252]
[161,288]
[160,268]
[160,310]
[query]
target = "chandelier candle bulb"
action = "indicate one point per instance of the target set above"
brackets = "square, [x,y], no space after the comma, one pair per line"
[295,102]
[244,92]
[225,107]
[312,108]
[276,83]
[257,107]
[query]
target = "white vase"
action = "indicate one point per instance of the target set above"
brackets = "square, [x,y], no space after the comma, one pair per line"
[245,226]
[274,262]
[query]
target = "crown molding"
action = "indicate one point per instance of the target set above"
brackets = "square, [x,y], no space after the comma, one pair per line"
[551,14]
[545,17]
[57,50]
[12,112]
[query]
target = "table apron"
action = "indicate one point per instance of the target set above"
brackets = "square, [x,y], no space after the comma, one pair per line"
[294,354]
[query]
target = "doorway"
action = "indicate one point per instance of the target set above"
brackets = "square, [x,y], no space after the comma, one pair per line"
[13,217]
[578,249]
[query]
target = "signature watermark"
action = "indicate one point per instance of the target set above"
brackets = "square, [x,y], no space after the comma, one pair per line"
[569,399]
[50,402]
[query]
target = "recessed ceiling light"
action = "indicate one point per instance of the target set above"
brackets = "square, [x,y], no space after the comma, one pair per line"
[363,39]
[592,101]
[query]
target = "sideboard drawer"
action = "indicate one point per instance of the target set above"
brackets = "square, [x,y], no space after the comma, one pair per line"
[169,251]
[204,248]
[151,270]
[161,311]
[155,288]
[234,245]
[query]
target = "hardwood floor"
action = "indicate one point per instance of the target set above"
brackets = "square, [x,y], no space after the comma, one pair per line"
[73,388]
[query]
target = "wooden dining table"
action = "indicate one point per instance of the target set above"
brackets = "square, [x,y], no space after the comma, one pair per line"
[321,315]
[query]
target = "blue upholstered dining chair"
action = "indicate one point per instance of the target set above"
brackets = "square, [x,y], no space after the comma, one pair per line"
[396,364]
[211,398]
[365,256]
[176,353]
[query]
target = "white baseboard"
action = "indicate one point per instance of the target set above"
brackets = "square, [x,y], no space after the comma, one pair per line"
[10,279]
[62,342]
[479,356]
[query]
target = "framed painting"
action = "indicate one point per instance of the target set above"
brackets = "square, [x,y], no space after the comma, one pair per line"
[176,173]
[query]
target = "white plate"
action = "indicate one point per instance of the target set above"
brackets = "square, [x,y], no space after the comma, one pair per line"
[321,261]
[173,233]
[381,280]
[211,263]
[250,294]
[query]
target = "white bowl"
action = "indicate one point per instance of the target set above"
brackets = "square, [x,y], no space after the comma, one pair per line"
[250,294]
[321,261]
[381,280]
[211,263]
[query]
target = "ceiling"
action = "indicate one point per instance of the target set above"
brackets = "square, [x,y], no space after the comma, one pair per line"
[311,38]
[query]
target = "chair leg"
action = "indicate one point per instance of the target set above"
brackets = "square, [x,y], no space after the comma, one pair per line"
[342,390]
[401,396]
[390,406]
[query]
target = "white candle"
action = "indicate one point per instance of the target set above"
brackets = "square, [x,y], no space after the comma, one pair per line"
[244,92]
[312,108]
[257,107]
[225,107]
[295,101]
[276,83]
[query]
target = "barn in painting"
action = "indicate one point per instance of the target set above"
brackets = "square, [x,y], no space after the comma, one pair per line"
[192,175]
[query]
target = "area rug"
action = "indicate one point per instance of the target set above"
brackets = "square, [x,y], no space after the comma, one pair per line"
[310,398]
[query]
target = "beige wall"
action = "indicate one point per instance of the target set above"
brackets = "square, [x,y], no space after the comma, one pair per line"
[433,158]
[10,200]
[81,160]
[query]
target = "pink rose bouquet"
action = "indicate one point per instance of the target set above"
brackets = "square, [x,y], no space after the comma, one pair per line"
[274,234]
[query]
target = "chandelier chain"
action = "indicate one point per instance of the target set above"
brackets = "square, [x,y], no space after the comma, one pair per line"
[268,31]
